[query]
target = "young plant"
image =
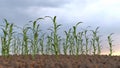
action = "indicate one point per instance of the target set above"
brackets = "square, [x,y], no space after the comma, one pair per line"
[94,47]
[16,45]
[98,44]
[74,43]
[71,47]
[55,35]
[80,42]
[96,41]
[86,40]
[7,38]
[35,38]
[49,49]
[66,44]
[75,37]
[110,43]
[42,44]
[25,39]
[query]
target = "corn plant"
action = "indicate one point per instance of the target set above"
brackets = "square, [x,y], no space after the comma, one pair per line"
[7,38]
[42,44]
[16,45]
[86,40]
[96,41]
[80,42]
[66,44]
[94,47]
[25,40]
[35,37]
[72,46]
[49,48]
[75,37]
[98,44]
[55,35]
[35,41]
[110,43]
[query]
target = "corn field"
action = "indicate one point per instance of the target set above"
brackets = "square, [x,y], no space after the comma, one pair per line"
[32,40]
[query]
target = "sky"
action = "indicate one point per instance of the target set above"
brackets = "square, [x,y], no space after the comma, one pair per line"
[102,13]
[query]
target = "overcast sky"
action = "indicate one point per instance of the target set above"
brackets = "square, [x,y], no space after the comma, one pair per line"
[103,13]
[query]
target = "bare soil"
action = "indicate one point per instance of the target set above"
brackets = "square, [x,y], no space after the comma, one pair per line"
[61,61]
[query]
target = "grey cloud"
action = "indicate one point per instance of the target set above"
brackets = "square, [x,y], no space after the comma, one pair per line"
[15,9]
[26,3]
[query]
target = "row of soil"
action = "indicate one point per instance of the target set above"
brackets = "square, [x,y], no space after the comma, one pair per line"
[61,61]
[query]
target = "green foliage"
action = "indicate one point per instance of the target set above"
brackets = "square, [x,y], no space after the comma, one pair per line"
[96,41]
[7,38]
[110,43]
[34,41]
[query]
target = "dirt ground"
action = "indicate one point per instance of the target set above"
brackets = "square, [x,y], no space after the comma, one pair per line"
[61,61]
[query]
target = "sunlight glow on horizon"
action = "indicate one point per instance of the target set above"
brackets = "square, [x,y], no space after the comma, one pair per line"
[116,53]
